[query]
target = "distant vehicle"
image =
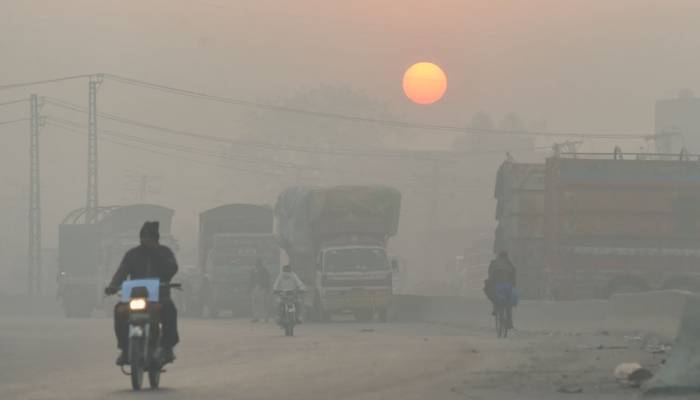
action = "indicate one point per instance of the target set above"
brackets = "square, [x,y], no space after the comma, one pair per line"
[89,254]
[336,240]
[600,224]
[231,238]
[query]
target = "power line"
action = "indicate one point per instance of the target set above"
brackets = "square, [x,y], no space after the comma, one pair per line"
[41,82]
[386,122]
[7,103]
[77,132]
[173,146]
[13,121]
[331,115]
[129,140]
[264,145]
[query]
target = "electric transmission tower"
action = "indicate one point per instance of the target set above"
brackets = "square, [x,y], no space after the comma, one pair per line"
[34,267]
[92,182]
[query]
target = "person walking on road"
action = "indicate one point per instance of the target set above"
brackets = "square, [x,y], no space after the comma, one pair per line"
[260,285]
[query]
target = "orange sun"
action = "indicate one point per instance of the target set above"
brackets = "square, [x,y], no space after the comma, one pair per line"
[424,83]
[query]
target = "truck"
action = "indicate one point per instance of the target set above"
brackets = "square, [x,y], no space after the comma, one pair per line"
[628,223]
[232,238]
[90,253]
[601,224]
[336,241]
[519,193]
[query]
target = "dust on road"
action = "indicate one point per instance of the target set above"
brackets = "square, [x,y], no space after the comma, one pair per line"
[73,359]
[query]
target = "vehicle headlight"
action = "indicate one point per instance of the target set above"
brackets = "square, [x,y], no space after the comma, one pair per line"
[137,304]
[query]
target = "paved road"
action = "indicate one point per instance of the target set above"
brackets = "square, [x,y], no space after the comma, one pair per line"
[55,358]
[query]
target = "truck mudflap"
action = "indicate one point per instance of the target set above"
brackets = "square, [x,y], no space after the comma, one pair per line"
[355,298]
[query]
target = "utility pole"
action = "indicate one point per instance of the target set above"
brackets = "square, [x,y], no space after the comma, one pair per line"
[92,182]
[34,268]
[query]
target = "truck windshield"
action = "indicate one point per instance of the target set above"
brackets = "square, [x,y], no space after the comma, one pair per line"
[355,260]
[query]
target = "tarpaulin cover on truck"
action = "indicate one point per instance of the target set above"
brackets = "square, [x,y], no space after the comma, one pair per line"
[244,219]
[129,219]
[304,212]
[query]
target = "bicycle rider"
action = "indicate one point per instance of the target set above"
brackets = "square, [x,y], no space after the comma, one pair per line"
[499,287]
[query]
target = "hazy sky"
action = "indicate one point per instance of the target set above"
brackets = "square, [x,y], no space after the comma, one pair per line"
[582,65]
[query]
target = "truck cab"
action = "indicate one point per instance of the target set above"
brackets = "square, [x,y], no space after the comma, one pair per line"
[353,279]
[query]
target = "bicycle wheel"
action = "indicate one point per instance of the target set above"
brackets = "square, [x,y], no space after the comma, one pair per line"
[497,319]
[501,323]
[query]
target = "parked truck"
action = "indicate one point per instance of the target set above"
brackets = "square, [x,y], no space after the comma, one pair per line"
[90,253]
[232,238]
[519,193]
[603,224]
[618,225]
[335,239]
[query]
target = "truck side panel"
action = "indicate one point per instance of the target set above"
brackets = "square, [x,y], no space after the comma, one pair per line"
[631,222]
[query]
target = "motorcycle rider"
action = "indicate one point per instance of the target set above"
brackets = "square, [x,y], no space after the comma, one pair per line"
[499,287]
[287,280]
[149,260]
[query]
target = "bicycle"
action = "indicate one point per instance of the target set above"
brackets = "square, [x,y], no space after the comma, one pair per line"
[504,318]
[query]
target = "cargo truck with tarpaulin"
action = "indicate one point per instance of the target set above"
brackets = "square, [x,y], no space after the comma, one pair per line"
[90,253]
[232,238]
[336,239]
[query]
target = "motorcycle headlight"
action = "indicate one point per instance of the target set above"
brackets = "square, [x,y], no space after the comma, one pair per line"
[137,304]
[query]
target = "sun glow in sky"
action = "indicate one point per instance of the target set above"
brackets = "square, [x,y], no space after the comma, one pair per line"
[424,83]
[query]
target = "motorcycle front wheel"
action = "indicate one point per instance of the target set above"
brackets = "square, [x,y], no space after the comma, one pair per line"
[136,355]
[289,321]
[154,376]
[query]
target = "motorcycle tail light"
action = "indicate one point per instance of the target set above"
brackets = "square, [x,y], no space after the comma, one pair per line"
[138,304]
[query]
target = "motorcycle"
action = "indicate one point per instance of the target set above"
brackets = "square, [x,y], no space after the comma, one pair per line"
[288,309]
[140,299]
